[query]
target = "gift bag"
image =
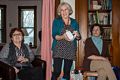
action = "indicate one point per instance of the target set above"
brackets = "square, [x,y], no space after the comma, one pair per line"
[76,75]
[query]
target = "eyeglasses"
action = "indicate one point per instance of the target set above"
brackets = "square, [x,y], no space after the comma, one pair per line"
[62,10]
[17,34]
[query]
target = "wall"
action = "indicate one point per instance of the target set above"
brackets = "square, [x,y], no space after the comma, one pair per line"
[116,32]
[12,13]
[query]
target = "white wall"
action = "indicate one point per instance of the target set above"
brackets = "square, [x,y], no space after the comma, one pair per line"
[12,13]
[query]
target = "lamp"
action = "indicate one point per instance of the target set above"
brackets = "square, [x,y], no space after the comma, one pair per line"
[25,32]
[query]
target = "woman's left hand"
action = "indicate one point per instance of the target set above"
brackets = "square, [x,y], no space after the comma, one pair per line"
[76,34]
[16,70]
[94,57]
[24,60]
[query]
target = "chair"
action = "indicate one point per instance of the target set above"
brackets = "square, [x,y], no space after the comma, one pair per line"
[42,63]
[7,72]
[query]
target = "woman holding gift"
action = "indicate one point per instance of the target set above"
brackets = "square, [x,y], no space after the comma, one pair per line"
[63,47]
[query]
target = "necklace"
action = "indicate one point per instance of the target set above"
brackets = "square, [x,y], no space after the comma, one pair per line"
[67,22]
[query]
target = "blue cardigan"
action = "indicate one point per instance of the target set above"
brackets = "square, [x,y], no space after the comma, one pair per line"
[57,27]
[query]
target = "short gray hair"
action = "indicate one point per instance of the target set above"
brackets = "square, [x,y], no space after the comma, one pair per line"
[67,5]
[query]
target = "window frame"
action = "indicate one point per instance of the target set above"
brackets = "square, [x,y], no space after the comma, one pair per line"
[35,21]
[3,30]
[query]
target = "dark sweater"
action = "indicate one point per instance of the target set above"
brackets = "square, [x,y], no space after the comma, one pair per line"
[90,49]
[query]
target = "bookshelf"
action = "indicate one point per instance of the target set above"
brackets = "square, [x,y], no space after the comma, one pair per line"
[100,12]
[81,13]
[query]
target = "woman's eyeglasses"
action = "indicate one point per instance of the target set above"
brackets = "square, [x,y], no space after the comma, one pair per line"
[17,34]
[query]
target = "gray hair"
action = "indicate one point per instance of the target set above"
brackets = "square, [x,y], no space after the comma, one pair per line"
[67,5]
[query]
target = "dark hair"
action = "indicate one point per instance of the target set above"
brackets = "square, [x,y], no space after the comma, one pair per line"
[101,29]
[15,29]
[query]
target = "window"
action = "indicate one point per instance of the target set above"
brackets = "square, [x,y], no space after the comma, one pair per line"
[2,24]
[27,22]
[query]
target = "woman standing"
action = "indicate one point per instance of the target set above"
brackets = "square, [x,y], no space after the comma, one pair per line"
[64,48]
[96,55]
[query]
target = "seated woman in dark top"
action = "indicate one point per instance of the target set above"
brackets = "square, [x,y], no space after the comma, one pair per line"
[19,55]
[96,55]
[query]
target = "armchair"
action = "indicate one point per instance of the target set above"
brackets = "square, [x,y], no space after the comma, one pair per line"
[7,72]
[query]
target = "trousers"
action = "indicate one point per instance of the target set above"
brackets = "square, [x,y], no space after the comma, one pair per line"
[103,68]
[57,65]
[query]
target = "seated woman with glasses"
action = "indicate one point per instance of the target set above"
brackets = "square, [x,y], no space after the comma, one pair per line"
[19,55]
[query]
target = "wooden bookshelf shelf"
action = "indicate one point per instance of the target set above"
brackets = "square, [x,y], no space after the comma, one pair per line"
[107,25]
[100,11]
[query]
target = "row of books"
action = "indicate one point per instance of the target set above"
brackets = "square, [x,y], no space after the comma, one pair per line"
[100,18]
[107,33]
[102,4]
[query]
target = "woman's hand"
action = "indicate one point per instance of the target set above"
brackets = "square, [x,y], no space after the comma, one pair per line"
[61,37]
[22,59]
[16,70]
[94,57]
[76,34]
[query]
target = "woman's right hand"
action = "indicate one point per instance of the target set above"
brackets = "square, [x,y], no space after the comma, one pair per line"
[61,37]
[94,57]
[16,70]
[22,59]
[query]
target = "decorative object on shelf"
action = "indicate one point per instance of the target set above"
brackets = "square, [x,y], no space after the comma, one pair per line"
[97,7]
